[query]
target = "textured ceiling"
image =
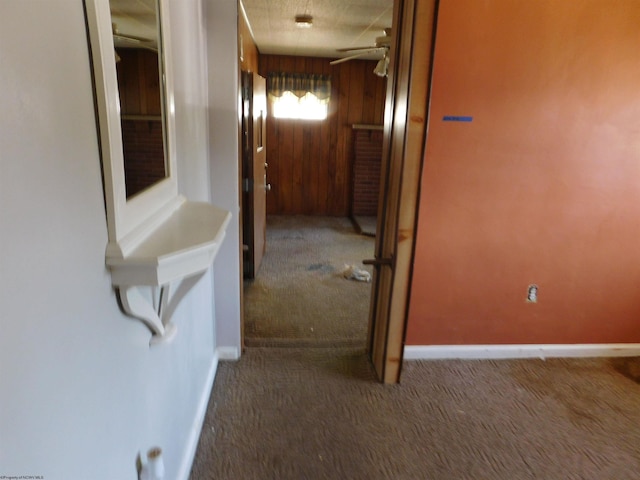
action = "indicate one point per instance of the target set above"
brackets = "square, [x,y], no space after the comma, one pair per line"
[336,24]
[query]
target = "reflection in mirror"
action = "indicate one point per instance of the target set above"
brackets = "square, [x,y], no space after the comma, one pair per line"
[131,218]
[136,37]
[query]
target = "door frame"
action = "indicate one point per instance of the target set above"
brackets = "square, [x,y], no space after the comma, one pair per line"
[405,134]
[253,168]
[246,171]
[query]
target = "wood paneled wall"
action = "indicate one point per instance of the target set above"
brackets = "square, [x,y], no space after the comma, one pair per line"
[138,82]
[310,162]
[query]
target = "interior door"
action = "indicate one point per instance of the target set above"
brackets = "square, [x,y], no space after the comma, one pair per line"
[254,171]
[403,151]
[260,185]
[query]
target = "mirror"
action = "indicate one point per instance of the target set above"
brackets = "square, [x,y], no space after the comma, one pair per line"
[133,85]
[139,66]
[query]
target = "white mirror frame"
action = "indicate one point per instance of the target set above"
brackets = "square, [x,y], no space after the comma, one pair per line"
[130,221]
[157,239]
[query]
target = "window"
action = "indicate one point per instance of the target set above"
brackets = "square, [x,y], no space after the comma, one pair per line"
[299,96]
[308,107]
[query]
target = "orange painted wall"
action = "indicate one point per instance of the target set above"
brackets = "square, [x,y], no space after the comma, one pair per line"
[542,187]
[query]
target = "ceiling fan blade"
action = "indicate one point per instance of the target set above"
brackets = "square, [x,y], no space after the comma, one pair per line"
[126,38]
[372,48]
[130,41]
[132,38]
[346,59]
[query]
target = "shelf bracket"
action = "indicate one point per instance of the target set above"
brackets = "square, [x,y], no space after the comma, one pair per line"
[170,260]
[137,306]
[157,318]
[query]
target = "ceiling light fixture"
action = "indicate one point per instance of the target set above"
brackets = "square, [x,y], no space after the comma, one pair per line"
[304,21]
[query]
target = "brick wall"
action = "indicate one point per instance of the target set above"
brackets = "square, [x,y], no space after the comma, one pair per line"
[143,152]
[366,170]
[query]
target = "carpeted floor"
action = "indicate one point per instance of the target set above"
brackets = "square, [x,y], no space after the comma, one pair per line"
[300,296]
[316,413]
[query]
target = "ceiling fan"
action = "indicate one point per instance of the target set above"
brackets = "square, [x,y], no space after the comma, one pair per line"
[123,40]
[382,45]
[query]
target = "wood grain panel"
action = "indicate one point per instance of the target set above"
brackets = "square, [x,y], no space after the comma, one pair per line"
[248,49]
[295,162]
[138,82]
[274,171]
[342,152]
[310,163]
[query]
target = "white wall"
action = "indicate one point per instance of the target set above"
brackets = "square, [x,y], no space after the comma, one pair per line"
[222,28]
[81,392]
[190,78]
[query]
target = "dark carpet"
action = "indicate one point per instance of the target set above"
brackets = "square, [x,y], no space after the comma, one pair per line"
[317,413]
[300,296]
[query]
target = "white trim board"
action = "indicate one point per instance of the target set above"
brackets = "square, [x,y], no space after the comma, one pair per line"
[198,421]
[228,353]
[221,353]
[436,352]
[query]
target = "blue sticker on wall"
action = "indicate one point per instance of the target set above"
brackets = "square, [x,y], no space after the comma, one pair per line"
[456,118]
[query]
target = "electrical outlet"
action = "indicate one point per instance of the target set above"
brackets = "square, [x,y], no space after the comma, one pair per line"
[532,294]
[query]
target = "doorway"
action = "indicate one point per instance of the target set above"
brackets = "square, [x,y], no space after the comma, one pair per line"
[312,289]
[254,171]
[404,133]
[318,289]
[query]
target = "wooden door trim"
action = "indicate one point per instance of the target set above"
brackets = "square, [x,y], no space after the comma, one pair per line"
[246,167]
[258,170]
[405,139]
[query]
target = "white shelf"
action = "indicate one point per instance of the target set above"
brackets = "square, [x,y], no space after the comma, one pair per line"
[184,245]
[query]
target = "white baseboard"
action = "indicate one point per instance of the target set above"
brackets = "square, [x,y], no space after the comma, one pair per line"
[221,353]
[435,352]
[198,421]
[228,353]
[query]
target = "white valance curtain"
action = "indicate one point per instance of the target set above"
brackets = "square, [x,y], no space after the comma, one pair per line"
[299,84]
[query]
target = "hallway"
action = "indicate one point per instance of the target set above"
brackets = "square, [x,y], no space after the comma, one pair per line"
[300,296]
